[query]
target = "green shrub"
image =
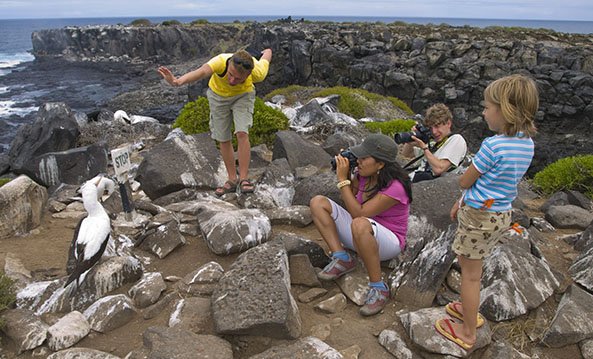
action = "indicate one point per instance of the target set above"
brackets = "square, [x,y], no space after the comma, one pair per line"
[195,117]
[7,293]
[4,181]
[358,103]
[141,22]
[570,173]
[199,22]
[390,127]
[170,22]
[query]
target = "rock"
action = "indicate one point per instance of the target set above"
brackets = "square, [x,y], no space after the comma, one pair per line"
[181,162]
[254,298]
[16,271]
[234,231]
[433,199]
[321,331]
[24,328]
[299,216]
[162,240]
[557,199]
[573,321]
[569,216]
[395,345]
[158,307]
[179,343]
[202,281]
[587,348]
[76,353]
[419,325]
[298,151]
[320,184]
[73,166]
[295,244]
[21,206]
[311,295]
[55,129]
[305,348]
[69,330]
[579,199]
[110,312]
[302,272]
[506,294]
[355,284]
[542,225]
[193,314]
[581,271]
[333,305]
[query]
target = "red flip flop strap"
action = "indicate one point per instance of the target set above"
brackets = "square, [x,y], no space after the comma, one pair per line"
[448,322]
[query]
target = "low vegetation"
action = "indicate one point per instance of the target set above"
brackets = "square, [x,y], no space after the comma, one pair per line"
[356,103]
[171,23]
[4,181]
[195,117]
[141,22]
[390,127]
[7,294]
[570,173]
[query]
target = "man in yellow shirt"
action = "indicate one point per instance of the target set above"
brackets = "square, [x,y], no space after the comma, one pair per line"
[231,96]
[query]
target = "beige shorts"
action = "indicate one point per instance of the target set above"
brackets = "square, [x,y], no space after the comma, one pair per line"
[478,231]
[226,111]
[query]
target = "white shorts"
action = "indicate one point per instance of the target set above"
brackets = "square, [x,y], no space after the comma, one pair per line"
[386,240]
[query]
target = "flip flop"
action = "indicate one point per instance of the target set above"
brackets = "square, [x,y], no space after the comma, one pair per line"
[228,187]
[453,310]
[451,333]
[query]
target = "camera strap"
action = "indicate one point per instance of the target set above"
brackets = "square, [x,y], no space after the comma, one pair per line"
[431,148]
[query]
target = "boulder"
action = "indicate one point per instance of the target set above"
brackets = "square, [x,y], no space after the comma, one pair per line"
[202,281]
[298,151]
[148,290]
[193,314]
[569,216]
[24,328]
[22,202]
[67,331]
[305,348]
[110,312]
[86,353]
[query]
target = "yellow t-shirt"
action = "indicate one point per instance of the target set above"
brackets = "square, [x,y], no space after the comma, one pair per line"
[220,85]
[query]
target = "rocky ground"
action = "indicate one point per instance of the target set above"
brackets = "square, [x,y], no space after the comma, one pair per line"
[44,253]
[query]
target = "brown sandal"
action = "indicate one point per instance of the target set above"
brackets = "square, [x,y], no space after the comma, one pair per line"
[228,187]
[246,186]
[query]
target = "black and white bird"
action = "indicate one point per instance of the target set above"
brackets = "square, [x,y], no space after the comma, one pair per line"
[91,234]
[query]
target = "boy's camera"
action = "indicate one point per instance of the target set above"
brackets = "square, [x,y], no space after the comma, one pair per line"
[352,160]
[422,132]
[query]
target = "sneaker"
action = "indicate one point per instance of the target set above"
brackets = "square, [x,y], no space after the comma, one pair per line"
[337,268]
[375,302]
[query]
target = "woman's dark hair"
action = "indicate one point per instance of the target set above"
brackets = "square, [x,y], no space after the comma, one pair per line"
[392,171]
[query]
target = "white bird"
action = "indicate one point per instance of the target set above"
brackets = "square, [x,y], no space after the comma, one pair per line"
[121,116]
[91,234]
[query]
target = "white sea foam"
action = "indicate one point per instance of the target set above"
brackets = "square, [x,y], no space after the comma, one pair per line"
[8,108]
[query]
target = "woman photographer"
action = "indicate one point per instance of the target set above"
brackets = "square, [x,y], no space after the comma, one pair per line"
[375,220]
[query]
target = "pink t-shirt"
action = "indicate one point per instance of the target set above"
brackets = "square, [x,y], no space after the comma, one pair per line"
[395,218]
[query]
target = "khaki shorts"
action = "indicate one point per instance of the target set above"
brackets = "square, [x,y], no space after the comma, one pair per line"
[478,231]
[224,111]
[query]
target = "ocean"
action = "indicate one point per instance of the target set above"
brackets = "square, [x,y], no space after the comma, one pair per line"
[15,44]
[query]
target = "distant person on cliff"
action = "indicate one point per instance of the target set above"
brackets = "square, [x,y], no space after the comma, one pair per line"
[490,185]
[231,96]
[375,221]
[443,152]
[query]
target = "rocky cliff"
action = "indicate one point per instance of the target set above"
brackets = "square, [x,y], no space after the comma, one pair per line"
[419,64]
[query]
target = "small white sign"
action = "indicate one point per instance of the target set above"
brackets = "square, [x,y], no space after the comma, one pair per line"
[121,160]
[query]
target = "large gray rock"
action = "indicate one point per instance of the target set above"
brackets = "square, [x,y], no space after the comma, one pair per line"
[299,216]
[394,344]
[148,290]
[202,281]
[298,151]
[179,343]
[110,312]
[569,216]
[55,129]
[51,296]
[229,232]
[162,240]
[24,328]
[319,184]
[581,271]
[254,298]
[193,314]
[420,327]
[519,283]
[305,348]
[423,277]
[274,189]
[73,166]
[181,162]
[295,244]
[67,331]
[21,206]
[78,353]
[573,321]
[433,199]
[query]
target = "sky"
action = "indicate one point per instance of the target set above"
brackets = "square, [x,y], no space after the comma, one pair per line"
[481,9]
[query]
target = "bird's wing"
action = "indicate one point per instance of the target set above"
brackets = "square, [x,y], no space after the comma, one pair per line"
[93,232]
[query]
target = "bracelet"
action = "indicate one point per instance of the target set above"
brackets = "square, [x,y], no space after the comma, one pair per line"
[424,148]
[343,183]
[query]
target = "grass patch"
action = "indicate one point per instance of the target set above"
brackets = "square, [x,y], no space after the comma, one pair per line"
[7,294]
[570,173]
[390,128]
[516,332]
[4,181]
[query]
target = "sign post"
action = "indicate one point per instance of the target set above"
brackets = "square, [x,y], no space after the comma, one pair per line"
[121,165]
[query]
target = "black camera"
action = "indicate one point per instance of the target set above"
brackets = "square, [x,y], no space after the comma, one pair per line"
[422,132]
[352,159]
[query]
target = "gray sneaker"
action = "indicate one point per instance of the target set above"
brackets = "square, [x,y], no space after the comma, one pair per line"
[337,268]
[375,302]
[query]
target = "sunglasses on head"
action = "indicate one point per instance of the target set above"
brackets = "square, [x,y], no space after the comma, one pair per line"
[247,65]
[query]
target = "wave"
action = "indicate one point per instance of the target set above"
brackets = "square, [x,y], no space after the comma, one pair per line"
[9,61]
[7,109]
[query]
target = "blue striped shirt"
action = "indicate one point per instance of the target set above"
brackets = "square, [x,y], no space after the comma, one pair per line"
[502,162]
